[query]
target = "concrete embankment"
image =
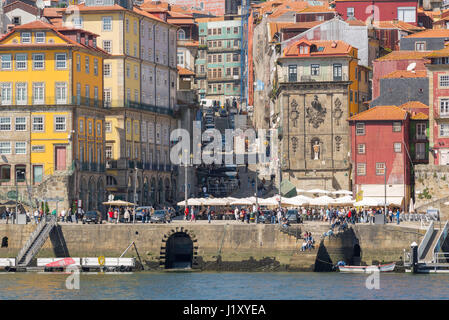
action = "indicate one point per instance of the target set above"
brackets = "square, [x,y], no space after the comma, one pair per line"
[219,247]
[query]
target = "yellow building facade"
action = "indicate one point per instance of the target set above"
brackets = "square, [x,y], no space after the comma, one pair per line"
[52,85]
[140,90]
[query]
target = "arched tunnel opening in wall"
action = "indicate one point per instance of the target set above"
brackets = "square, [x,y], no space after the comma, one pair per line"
[179,251]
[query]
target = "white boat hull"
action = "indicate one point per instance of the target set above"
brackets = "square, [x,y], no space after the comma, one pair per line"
[367,269]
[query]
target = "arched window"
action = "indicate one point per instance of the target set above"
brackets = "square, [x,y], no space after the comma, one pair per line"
[181,34]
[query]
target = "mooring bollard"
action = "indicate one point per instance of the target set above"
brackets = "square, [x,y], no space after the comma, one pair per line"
[414,259]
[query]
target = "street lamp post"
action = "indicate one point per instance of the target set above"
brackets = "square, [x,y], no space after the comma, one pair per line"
[385,190]
[135,193]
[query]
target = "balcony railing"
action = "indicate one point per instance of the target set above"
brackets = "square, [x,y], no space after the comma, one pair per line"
[54,101]
[92,167]
[309,78]
[148,107]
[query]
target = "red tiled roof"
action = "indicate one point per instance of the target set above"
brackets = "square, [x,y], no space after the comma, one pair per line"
[419,116]
[183,43]
[414,105]
[439,53]
[185,72]
[431,33]
[404,55]
[380,113]
[397,25]
[355,22]
[406,74]
[329,48]
[52,12]
[146,14]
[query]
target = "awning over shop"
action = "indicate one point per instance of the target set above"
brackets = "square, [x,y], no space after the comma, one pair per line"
[391,201]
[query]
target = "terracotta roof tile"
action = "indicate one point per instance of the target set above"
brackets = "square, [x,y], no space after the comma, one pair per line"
[185,72]
[329,48]
[414,105]
[380,113]
[419,116]
[406,74]
[404,55]
[397,25]
[355,22]
[439,53]
[431,33]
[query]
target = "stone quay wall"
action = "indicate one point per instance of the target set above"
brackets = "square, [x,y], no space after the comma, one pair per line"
[219,247]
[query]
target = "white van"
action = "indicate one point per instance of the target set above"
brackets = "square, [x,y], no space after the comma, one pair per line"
[207,103]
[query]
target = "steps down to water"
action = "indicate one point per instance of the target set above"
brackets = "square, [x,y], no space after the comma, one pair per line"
[36,241]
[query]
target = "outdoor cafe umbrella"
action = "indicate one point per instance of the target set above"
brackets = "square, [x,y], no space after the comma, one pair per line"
[268,202]
[318,191]
[191,202]
[366,203]
[242,201]
[344,200]
[119,203]
[347,192]
[321,201]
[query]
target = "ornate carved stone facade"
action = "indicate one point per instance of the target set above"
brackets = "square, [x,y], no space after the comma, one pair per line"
[315,141]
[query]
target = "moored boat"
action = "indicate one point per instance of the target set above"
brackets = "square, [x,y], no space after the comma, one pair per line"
[368,269]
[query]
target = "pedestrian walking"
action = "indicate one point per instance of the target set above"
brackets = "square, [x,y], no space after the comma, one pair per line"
[63,212]
[126,216]
[36,216]
[397,216]
[116,215]
[209,213]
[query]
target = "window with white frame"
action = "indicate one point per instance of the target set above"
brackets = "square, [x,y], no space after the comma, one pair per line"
[21,93]
[21,61]
[444,107]
[87,65]
[78,93]
[38,148]
[61,60]
[108,152]
[81,126]
[39,37]
[361,148]
[95,67]
[380,168]
[350,12]
[420,151]
[360,129]
[397,126]
[107,70]
[38,123]
[407,14]
[420,46]
[38,92]
[421,129]
[180,58]
[61,92]
[78,63]
[5,123]
[25,37]
[397,146]
[21,148]
[20,124]
[136,73]
[99,129]
[107,97]
[78,22]
[60,123]
[6,63]
[315,69]
[5,147]
[127,47]
[444,81]
[6,92]
[444,130]
[89,127]
[107,46]
[108,126]
[107,23]
[95,94]
[38,61]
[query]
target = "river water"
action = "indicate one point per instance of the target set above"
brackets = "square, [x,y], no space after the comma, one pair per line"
[222,286]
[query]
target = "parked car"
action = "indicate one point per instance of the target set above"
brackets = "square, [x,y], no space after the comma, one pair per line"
[293,216]
[139,212]
[159,216]
[265,216]
[92,217]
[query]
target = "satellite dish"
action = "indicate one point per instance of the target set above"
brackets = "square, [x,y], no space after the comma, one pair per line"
[40,4]
[411,66]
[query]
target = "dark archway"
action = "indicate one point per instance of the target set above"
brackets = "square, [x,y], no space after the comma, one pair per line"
[356,255]
[356,252]
[179,251]
[5,242]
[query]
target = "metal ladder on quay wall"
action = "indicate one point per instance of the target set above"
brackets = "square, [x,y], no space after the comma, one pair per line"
[35,241]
